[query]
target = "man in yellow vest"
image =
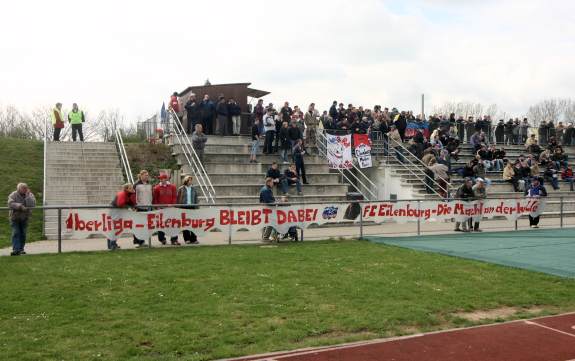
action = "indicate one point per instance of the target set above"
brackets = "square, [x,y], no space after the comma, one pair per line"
[57,121]
[76,118]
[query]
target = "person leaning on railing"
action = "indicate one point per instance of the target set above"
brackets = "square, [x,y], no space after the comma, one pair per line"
[187,195]
[535,191]
[464,193]
[124,199]
[267,197]
[165,193]
[144,196]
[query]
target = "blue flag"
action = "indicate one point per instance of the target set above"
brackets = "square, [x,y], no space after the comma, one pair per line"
[163,114]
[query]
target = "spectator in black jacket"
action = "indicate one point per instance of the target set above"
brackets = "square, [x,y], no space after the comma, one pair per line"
[464,193]
[333,113]
[401,125]
[256,135]
[294,134]
[298,153]
[277,177]
[193,113]
[284,140]
[292,177]
[235,112]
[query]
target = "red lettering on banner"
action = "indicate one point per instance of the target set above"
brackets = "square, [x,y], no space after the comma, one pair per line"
[458,209]
[267,212]
[256,217]
[186,222]
[443,209]
[151,218]
[69,222]
[281,216]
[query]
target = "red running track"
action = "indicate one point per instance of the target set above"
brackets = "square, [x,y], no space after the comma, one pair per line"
[540,339]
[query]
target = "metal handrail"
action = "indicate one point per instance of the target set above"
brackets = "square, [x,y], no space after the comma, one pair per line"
[189,153]
[108,206]
[417,166]
[45,173]
[322,148]
[190,146]
[123,155]
[194,162]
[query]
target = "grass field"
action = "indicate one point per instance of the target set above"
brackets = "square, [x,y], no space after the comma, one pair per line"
[213,302]
[21,161]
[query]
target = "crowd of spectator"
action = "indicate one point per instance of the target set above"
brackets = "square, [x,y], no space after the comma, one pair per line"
[436,139]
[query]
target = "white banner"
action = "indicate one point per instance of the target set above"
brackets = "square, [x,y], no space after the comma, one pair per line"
[81,223]
[339,151]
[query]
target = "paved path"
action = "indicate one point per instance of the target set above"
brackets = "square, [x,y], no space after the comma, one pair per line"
[347,232]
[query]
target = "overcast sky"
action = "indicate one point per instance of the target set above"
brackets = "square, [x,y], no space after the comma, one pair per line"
[132,55]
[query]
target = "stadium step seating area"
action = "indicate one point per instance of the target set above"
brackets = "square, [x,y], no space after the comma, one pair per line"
[236,180]
[79,174]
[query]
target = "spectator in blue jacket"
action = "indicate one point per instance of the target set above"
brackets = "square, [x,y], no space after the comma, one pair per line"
[266,192]
[208,113]
[537,190]
[267,197]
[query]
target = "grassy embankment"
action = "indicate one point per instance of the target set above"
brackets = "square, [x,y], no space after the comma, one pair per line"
[21,161]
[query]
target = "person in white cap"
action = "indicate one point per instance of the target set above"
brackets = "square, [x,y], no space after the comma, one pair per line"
[480,193]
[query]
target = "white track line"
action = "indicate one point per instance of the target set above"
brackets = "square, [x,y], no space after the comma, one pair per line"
[549,328]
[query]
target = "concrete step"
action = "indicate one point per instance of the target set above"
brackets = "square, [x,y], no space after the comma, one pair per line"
[254,189]
[244,158]
[251,168]
[100,179]
[235,148]
[213,139]
[243,178]
[307,198]
[91,158]
[83,188]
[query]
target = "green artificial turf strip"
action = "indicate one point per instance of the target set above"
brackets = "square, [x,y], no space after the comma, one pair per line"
[21,161]
[203,303]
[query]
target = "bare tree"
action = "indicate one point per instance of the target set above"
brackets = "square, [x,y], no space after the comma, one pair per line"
[548,110]
[467,109]
[105,123]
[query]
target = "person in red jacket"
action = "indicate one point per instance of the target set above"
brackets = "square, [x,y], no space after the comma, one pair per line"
[124,199]
[175,104]
[165,193]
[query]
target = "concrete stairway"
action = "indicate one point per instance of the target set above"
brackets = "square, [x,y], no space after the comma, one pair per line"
[237,181]
[79,174]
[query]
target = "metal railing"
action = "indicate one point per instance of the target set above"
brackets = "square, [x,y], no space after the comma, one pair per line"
[123,155]
[355,176]
[44,185]
[403,155]
[358,224]
[194,162]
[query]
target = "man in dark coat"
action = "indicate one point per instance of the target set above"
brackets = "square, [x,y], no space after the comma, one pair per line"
[208,113]
[193,113]
[222,116]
